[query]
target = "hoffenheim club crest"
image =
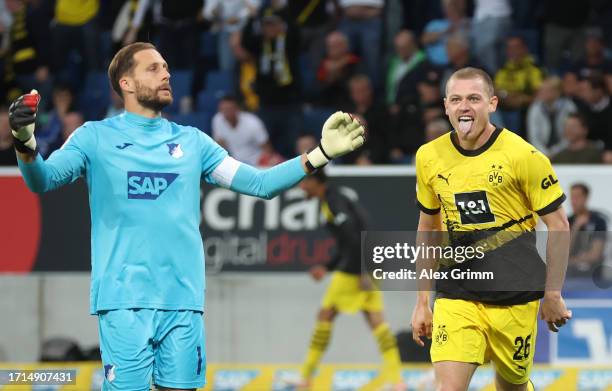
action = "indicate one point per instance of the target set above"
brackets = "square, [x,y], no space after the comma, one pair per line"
[175,150]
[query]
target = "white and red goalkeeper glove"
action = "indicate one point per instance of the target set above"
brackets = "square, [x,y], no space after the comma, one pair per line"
[22,118]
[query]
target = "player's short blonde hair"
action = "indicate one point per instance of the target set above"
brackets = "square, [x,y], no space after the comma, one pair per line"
[470,73]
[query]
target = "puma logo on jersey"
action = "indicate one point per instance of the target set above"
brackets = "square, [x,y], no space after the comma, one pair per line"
[445,179]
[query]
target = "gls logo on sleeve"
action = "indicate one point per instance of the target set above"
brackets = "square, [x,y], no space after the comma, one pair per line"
[548,182]
[148,185]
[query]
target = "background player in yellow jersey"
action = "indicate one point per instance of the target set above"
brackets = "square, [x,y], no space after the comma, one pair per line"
[481,180]
[349,290]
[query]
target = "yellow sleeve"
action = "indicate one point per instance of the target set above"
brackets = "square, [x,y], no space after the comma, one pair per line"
[425,197]
[540,183]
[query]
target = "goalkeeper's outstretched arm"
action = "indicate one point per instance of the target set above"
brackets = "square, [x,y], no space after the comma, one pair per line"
[341,134]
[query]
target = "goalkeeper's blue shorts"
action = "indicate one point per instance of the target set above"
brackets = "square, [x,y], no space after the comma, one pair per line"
[144,346]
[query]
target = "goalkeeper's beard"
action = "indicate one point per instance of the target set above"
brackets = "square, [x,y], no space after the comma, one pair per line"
[149,98]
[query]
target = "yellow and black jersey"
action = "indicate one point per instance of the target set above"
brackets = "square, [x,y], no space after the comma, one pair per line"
[500,187]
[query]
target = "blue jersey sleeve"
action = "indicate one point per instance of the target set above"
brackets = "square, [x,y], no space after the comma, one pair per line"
[269,182]
[64,166]
[212,155]
[221,170]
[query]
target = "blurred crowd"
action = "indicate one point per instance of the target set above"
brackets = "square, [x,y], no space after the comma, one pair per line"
[260,76]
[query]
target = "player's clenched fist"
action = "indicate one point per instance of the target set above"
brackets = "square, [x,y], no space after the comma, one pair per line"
[22,117]
[422,323]
[342,133]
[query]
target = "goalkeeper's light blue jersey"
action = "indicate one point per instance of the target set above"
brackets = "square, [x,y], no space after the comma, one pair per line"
[143,177]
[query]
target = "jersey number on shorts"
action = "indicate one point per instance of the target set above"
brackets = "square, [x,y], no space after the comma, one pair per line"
[474,207]
[523,347]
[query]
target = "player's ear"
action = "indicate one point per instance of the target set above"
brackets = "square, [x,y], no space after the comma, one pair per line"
[445,106]
[127,84]
[493,101]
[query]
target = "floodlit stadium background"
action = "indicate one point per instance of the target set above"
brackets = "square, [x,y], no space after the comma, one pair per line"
[260,301]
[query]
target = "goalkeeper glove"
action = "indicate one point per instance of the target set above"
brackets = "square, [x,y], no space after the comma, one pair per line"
[22,117]
[342,133]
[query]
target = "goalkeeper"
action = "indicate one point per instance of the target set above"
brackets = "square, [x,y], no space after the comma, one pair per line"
[143,174]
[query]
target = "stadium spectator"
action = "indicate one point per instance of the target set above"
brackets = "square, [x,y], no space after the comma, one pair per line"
[594,61]
[588,235]
[593,64]
[416,14]
[406,69]
[74,28]
[516,83]
[49,135]
[314,22]
[229,17]
[336,70]
[594,103]
[459,56]
[362,23]
[240,132]
[118,19]
[305,143]
[7,152]
[436,128]
[546,117]
[564,22]
[438,31]
[246,73]
[408,123]
[274,44]
[519,79]
[579,150]
[71,122]
[179,36]
[373,115]
[28,49]
[491,24]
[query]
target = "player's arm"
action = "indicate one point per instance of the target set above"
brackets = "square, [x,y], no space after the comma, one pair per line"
[422,317]
[545,197]
[428,234]
[553,309]
[341,134]
[62,167]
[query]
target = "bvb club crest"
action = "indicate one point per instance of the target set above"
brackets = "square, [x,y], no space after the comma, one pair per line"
[495,177]
[441,336]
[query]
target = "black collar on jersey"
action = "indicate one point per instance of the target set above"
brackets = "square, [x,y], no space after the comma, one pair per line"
[477,151]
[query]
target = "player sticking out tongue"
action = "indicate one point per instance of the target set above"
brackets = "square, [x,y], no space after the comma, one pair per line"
[465,123]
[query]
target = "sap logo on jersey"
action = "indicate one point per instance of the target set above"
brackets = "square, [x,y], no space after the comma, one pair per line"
[148,185]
